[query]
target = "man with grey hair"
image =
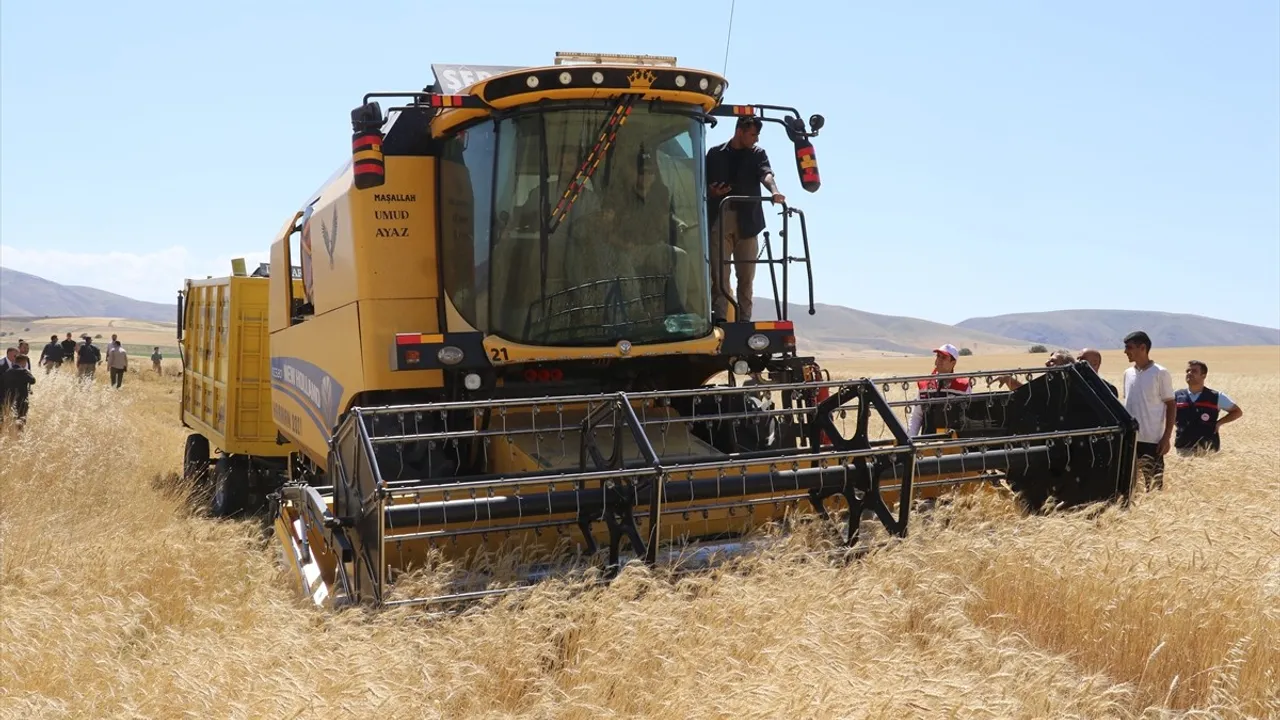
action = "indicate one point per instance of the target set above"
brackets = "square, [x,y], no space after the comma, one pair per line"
[1094,358]
[1059,357]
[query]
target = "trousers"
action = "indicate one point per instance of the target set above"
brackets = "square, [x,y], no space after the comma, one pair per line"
[743,251]
[1150,466]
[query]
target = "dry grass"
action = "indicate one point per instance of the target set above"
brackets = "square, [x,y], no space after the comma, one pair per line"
[119,601]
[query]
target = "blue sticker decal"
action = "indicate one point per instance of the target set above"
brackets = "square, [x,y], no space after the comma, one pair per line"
[316,390]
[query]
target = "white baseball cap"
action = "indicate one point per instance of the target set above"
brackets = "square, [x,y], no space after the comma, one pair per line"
[949,349]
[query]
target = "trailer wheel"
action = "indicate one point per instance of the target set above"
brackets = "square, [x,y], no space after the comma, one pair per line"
[230,485]
[195,460]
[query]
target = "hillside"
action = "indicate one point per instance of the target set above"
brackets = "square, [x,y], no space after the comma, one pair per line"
[1106,329]
[23,295]
[837,329]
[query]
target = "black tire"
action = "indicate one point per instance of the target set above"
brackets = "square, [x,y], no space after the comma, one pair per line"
[230,485]
[195,460]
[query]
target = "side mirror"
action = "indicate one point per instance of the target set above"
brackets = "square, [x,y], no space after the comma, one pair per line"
[816,122]
[366,146]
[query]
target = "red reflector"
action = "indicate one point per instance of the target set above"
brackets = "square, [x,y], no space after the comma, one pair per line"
[412,357]
[530,375]
[408,338]
[783,325]
[557,375]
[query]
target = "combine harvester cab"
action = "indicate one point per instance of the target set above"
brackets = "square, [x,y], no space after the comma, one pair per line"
[499,365]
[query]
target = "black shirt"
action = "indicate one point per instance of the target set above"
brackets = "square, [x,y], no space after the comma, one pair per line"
[743,169]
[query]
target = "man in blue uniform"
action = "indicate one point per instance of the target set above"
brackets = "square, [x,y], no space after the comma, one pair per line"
[1198,410]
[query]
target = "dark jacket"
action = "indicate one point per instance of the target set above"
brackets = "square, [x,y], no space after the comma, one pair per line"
[52,351]
[744,170]
[16,383]
[1196,422]
[89,354]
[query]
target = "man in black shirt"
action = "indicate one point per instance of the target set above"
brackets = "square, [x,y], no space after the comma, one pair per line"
[69,349]
[737,167]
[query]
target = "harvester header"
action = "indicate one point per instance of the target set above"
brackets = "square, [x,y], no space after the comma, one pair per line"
[492,337]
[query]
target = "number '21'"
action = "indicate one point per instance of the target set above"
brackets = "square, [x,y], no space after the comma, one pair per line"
[499,354]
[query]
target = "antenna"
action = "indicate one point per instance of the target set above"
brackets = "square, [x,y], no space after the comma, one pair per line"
[728,37]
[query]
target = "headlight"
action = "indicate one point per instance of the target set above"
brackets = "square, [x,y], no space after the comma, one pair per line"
[449,355]
[471,381]
[741,367]
[757,342]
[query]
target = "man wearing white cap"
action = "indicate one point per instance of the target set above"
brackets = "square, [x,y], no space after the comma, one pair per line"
[944,361]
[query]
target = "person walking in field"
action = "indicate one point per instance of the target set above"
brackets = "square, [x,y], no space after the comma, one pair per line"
[156,357]
[1148,396]
[117,363]
[51,356]
[15,391]
[1198,409]
[69,349]
[87,358]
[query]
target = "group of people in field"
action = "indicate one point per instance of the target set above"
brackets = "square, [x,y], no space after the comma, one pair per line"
[1186,420]
[17,378]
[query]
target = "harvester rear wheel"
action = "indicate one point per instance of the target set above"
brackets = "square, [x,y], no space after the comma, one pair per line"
[195,460]
[230,485]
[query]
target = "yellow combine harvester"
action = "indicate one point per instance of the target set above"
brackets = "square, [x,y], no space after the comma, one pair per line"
[497,347]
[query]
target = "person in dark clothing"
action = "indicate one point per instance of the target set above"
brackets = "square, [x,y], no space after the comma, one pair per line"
[68,349]
[17,381]
[1198,409]
[737,167]
[87,359]
[51,356]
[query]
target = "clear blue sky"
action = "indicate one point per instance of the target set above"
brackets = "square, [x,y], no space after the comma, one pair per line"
[978,158]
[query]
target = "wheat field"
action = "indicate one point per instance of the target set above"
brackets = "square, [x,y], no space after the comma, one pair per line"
[122,600]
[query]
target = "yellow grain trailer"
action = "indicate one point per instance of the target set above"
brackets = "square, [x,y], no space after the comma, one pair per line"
[226,390]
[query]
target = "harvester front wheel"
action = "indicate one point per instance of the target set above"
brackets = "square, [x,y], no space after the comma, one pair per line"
[230,485]
[195,460]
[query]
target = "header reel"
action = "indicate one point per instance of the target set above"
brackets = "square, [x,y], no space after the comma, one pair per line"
[635,476]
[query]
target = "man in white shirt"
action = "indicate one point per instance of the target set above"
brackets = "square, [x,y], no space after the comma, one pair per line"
[1148,396]
[117,363]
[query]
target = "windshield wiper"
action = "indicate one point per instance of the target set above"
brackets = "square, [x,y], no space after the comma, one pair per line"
[604,140]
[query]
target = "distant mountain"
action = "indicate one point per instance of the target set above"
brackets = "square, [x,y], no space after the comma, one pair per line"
[1074,329]
[836,328]
[23,295]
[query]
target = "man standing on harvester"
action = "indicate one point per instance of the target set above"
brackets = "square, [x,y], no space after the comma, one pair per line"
[1198,407]
[738,167]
